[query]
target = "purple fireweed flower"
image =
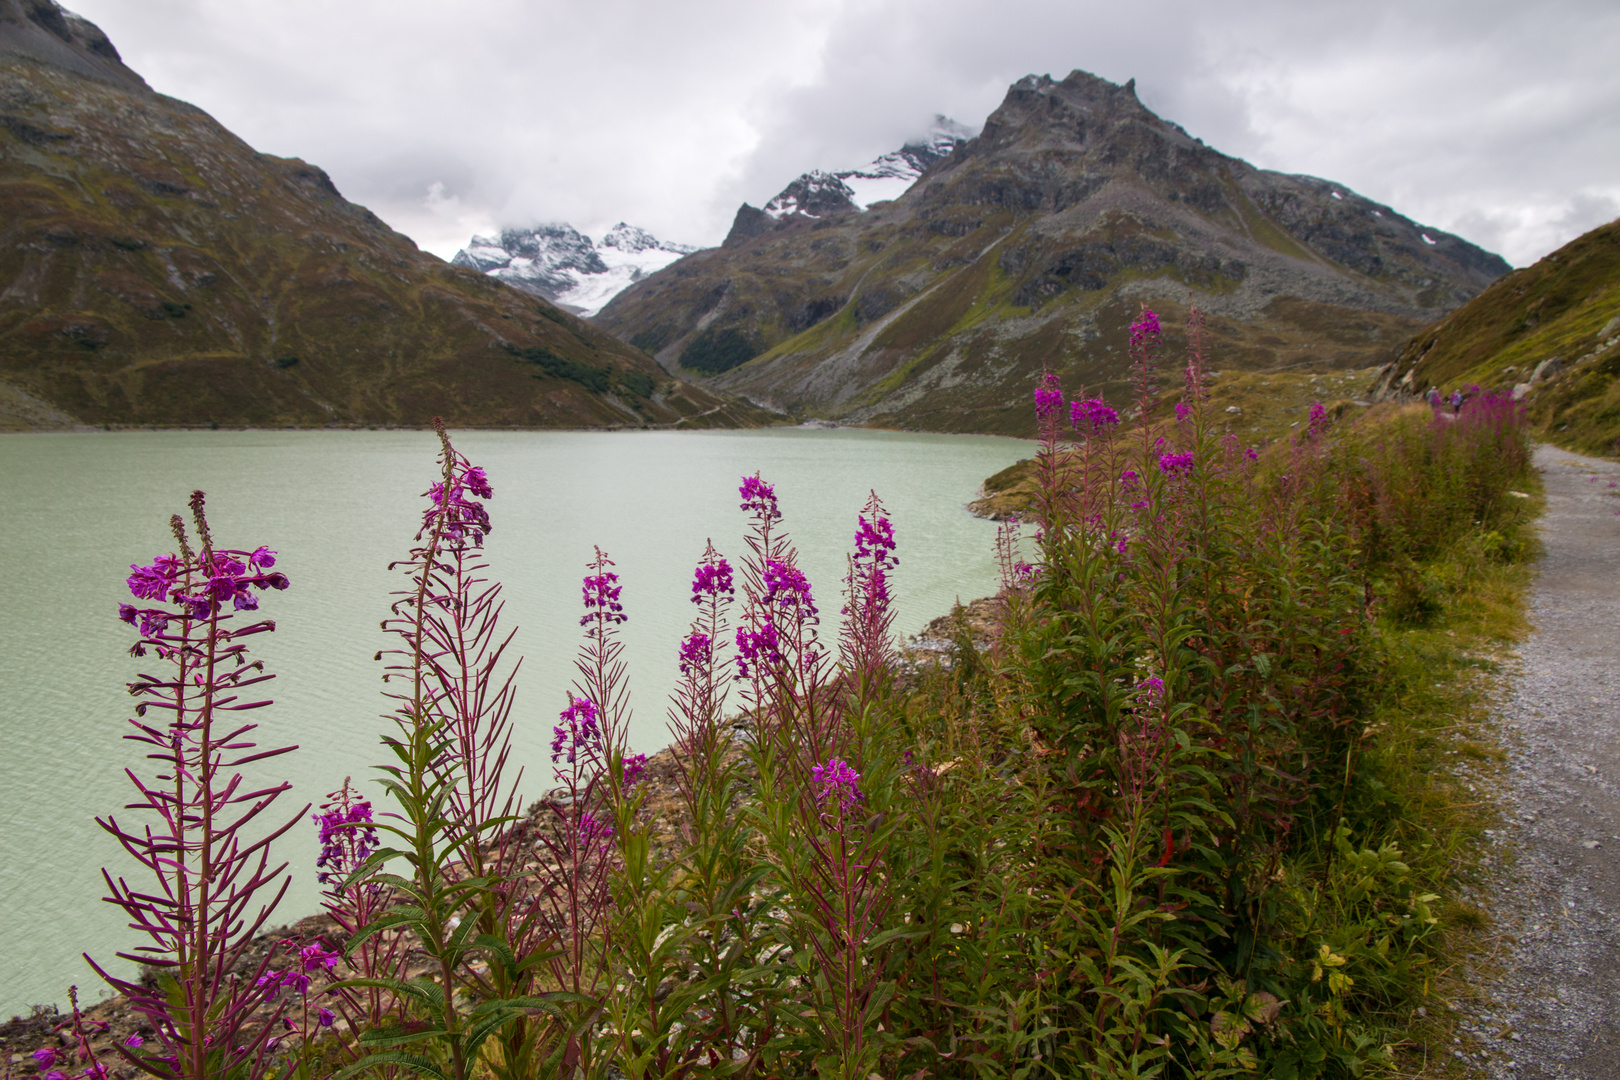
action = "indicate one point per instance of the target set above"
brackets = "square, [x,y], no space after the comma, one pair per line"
[836,780]
[787,588]
[1092,415]
[45,1057]
[326,1018]
[759,497]
[347,839]
[134,1042]
[153,582]
[592,831]
[229,576]
[601,591]
[271,981]
[757,648]
[55,1074]
[477,482]
[635,769]
[94,1071]
[1128,479]
[1145,330]
[1183,410]
[464,519]
[875,540]
[579,729]
[1252,453]
[1176,464]
[1151,689]
[695,651]
[1048,396]
[712,579]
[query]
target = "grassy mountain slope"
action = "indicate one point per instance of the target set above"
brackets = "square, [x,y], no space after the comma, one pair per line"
[1032,246]
[1561,317]
[154,269]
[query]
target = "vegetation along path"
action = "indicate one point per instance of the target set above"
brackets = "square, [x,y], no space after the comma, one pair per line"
[1554,1009]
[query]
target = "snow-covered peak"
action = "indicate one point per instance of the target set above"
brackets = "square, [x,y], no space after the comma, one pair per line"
[817,193]
[629,238]
[565,266]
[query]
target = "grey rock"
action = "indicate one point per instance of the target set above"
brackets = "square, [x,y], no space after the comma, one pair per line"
[1547,369]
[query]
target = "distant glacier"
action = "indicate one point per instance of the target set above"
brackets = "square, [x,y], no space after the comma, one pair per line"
[566,267]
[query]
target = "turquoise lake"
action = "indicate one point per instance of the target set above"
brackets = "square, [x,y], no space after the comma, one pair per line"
[339,506]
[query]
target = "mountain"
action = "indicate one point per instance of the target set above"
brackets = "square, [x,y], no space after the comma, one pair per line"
[156,270]
[566,267]
[1549,334]
[816,194]
[1032,246]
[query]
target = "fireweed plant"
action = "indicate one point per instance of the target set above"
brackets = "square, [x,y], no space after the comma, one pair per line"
[210,883]
[1143,832]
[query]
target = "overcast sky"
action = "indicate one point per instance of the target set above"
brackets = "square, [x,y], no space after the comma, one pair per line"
[1499,121]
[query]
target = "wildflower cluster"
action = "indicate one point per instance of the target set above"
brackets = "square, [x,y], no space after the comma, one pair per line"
[1145,333]
[601,592]
[759,498]
[577,731]
[787,590]
[201,588]
[758,648]
[1092,416]
[347,836]
[712,579]
[311,958]
[836,782]
[1048,397]
[1176,464]
[696,652]
[465,521]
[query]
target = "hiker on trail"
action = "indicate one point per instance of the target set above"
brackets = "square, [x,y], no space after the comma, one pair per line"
[1456,402]
[1434,398]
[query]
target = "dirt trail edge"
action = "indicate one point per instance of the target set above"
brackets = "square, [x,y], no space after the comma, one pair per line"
[1553,1009]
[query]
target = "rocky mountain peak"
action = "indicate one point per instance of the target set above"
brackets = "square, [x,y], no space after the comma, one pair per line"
[818,194]
[46,32]
[815,194]
[631,239]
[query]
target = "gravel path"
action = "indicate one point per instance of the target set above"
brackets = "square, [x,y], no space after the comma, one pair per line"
[1554,1010]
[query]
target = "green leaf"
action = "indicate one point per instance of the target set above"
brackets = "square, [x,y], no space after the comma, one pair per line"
[416,1063]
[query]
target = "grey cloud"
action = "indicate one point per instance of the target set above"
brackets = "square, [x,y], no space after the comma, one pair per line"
[1499,121]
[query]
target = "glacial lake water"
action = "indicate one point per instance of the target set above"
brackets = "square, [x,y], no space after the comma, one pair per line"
[339,506]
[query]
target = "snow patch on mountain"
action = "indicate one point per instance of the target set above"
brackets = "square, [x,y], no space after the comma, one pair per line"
[565,266]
